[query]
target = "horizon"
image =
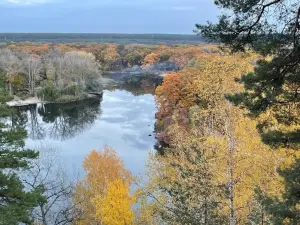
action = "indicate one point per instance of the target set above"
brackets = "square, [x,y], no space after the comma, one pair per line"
[98,33]
[92,16]
[118,38]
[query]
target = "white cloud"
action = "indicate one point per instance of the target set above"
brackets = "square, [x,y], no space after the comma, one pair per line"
[26,2]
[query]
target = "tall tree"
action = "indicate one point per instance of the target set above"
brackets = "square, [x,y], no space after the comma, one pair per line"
[271,27]
[229,142]
[115,208]
[11,64]
[32,68]
[101,169]
[56,187]
[15,201]
[182,184]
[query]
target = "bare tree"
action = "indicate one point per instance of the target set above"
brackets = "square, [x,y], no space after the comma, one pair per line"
[32,68]
[54,65]
[11,64]
[56,188]
[72,67]
[79,66]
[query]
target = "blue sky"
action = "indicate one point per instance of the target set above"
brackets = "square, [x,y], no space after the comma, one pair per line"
[105,16]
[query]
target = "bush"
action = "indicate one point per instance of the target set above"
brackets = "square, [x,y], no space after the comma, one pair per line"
[93,84]
[4,96]
[71,98]
[71,93]
[71,89]
[23,94]
[164,58]
[48,92]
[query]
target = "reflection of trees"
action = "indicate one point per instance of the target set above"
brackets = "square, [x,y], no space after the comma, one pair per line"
[140,85]
[26,115]
[67,120]
[35,131]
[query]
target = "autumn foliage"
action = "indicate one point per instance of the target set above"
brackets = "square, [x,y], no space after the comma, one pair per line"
[103,189]
[206,134]
[115,208]
[118,56]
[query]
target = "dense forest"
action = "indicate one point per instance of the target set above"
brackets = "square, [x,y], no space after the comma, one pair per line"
[68,72]
[149,39]
[227,127]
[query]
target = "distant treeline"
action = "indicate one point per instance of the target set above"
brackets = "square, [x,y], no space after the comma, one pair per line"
[102,38]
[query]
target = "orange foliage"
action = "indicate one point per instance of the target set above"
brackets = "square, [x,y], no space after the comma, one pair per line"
[33,49]
[170,89]
[203,85]
[111,56]
[151,59]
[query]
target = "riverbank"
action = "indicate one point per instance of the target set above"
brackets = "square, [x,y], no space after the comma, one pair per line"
[29,101]
[35,100]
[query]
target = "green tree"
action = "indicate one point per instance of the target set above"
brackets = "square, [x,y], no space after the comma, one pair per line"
[271,27]
[181,184]
[292,196]
[285,210]
[15,201]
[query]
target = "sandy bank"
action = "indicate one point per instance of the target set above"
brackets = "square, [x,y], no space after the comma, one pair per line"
[28,101]
[34,100]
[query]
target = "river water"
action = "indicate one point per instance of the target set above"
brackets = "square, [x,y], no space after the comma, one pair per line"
[120,119]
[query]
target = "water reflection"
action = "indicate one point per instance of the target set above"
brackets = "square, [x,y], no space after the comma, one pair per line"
[132,117]
[57,121]
[138,85]
[143,86]
[121,120]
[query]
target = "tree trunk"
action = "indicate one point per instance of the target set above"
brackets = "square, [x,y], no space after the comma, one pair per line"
[230,137]
[10,88]
[43,215]
[231,183]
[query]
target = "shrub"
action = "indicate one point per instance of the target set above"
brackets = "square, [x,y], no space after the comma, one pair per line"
[71,98]
[48,92]
[164,58]
[23,94]
[71,89]
[93,84]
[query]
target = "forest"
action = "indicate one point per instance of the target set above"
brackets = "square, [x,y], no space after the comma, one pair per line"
[227,128]
[68,72]
[149,39]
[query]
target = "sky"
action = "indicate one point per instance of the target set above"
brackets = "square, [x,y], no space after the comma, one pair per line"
[105,16]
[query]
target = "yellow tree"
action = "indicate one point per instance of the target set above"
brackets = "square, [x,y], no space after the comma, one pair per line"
[239,160]
[241,163]
[115,208]
[110,56]
[102,168]
[230,143]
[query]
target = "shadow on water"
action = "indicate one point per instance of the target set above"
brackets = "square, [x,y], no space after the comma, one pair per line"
[57,121]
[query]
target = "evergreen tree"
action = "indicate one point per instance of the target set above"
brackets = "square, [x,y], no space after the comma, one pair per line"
[271,27]
[284,210]
[15,201]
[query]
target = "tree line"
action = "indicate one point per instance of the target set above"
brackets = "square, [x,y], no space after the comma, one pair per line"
[120,56]
[54,76]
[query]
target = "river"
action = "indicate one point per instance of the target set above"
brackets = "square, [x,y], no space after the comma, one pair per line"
[120,119]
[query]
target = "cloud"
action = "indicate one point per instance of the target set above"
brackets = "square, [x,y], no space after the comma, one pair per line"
[26,2]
